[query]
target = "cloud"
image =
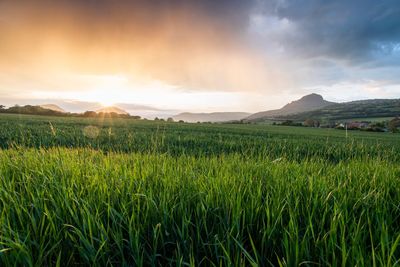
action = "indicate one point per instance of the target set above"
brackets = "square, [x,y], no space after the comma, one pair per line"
[197,50]
[354,31]
[325,44]
[190,44]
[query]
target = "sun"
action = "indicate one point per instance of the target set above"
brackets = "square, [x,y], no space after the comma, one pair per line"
[108,89]
[106,102]
[104,97]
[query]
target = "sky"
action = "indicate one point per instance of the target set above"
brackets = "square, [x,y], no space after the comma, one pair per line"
[163,57]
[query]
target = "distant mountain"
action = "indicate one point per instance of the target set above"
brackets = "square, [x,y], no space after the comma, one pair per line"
[211,117]
[53,107]
[373,108]
[112,110]
[306,103]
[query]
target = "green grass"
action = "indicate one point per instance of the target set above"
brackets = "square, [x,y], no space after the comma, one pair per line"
[156,194]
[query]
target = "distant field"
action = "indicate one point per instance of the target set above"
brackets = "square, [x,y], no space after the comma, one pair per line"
[125,135]
[77,191]
[371,119]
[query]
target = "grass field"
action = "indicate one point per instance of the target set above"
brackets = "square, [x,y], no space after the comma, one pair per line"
[381,119]
[133,193]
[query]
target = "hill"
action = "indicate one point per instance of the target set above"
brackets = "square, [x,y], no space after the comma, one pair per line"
[374,108]
[211,117]
[53,107]
[31,110]
[112,110]
[306,103]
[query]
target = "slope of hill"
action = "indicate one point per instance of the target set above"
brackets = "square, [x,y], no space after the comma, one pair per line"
[306,103]
[373,108]
[211,117]
[53,107]
[112,110]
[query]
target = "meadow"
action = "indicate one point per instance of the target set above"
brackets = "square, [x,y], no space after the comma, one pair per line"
[121,192]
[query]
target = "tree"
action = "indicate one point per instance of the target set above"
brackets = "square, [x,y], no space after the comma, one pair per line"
[170,120]
[309,123]
[291,123]
[394,125]
[2,106]
[90,114]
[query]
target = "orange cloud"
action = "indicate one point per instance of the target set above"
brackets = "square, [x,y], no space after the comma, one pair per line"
[181,46]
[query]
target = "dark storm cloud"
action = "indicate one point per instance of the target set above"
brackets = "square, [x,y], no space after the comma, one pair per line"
[357,30]
[354,30]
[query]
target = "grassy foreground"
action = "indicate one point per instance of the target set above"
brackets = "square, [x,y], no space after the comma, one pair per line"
[196,195]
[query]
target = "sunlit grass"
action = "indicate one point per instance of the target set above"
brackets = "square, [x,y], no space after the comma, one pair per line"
[207,195]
